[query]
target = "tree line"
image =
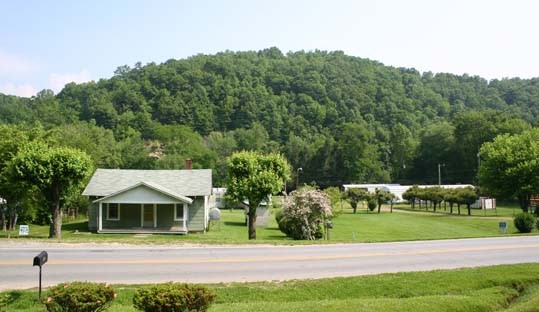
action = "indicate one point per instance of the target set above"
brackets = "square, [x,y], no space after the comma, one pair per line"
[342,119]
[434,196]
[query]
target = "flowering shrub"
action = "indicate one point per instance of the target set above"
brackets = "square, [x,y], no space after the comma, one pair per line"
[79,297]
[173,297]
[303,214]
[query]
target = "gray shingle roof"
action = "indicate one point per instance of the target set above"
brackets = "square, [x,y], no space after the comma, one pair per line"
[153,186]
[196,182]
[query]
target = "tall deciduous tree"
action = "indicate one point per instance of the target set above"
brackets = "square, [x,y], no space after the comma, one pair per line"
[10,193]
[56,173]
[510,166]
[253,176]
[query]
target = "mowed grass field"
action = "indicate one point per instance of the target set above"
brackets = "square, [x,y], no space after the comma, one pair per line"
[496,288]
[348,227]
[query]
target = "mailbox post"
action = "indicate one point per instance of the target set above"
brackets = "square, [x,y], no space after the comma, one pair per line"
[40,260]
[329,225]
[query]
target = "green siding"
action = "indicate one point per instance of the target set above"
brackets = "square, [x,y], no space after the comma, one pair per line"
[92,216]
[165,217]
[129,217]
[196,215]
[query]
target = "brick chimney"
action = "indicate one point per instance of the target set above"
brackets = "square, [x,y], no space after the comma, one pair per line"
[188,164]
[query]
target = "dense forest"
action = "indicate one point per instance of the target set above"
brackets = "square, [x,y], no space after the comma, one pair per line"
[342,119]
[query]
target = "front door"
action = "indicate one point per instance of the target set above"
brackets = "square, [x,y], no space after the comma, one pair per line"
[148,216]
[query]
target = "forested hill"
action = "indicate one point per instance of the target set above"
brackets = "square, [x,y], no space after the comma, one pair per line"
[341,118]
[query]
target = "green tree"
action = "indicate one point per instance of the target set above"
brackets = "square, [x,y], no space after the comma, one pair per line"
[437,141]
[467,196]
[472,129]
[11,140]
[252,177]
[510,167]
[335,196]
[382,197]
[435,194]
[95,141]
[403,147]
[451,196]
[355,195]
[222,145]
[411,195]
[57,173]
[357,155]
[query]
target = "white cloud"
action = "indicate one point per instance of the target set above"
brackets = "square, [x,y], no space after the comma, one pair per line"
[24,90]
[14,65]
[58,81]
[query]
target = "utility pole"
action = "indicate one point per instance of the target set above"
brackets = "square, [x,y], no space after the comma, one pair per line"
[478,166]
[440,174]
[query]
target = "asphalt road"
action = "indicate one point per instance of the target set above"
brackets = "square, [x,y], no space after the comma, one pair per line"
[147,264]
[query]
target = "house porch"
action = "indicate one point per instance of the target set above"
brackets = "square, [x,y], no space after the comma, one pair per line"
[118,217]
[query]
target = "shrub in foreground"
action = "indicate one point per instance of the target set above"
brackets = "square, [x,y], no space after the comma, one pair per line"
[79,297]
[175,297]
[524,222]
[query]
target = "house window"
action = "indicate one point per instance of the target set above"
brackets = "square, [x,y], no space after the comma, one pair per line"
[113,211]
[178,211]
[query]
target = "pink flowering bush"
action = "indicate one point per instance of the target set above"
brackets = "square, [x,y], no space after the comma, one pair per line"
[304,213]
[79,297]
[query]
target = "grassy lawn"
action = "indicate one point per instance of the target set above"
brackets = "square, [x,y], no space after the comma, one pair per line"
[496,288]
[348,227]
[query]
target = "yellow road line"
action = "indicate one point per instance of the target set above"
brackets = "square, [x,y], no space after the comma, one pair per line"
[277,259]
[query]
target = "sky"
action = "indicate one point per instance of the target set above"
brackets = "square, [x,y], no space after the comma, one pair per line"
[46,44]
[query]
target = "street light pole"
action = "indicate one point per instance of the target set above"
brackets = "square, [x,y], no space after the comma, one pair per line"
[478,166]
[440,174]
[297,176]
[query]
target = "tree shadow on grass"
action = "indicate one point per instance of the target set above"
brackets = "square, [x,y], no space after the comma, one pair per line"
[234,223]
[81,226]
[279,237]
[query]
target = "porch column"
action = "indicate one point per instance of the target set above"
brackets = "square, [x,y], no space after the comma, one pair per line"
[141,215]
[100,217]
[154,215]
[185,214]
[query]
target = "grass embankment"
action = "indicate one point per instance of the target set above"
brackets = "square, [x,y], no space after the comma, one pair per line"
[348,227]
[496,288]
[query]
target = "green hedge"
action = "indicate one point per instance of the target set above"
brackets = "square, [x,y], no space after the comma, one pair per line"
[79,297]
[173,297]
[524,222]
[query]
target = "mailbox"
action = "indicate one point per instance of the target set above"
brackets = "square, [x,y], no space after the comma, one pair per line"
[41,258]
[329,224]
[503,226]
